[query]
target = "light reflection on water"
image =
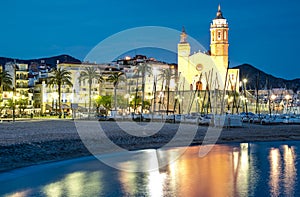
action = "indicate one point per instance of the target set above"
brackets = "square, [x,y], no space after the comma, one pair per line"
[247,169]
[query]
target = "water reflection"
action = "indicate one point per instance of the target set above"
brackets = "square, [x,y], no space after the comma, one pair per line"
[290,170]
[247,169]
[282,170]
[75,184]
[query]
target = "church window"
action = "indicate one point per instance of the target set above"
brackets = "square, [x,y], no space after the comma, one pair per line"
[199,85]
[219,35]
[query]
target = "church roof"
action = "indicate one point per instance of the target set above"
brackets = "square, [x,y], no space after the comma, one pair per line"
[219,13]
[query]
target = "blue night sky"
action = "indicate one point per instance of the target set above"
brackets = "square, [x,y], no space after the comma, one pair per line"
[262,33]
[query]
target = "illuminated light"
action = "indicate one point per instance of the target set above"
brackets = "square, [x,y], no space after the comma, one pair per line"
[287,97]
[127,58]
[245,80]
[273,97]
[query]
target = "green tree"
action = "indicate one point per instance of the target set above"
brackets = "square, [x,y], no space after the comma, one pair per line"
[97,102]
[89,74]
[166,75]
[106,102]
[11,104]
[144,69]
[115,78]
[22,103]
[5,81]
[59,77]
[2,107]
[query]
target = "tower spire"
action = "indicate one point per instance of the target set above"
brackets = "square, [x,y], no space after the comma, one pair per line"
[219,13]
[183,36]
[183,29]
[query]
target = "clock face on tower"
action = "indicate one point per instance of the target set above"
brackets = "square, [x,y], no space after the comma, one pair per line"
[199,67]
[183,53]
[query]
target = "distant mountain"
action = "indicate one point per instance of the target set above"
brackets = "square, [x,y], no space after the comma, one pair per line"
[48,60]
[250,73]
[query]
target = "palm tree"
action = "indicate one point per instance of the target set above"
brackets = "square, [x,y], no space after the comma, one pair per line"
[90,73]
[115,78]
[5,81]
[166,75]
[60,76]
[144,69]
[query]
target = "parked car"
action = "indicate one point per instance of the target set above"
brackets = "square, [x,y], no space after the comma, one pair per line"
[105,118]
[174,118]
[190,118]
[272,120]
[141,117]
[291,120]
[246,117]
[256,118]
[205,120]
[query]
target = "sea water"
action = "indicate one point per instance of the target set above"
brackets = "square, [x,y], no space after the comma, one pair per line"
[246,169]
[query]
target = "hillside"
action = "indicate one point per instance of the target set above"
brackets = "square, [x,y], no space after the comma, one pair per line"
[48,60]
[250,73]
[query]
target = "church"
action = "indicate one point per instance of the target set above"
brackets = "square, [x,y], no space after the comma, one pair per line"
[208,71]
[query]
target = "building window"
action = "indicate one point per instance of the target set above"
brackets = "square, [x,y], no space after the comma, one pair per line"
[225,35]
[219,35]
[199,85]
[213,36]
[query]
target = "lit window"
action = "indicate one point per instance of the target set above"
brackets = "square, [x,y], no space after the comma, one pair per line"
[225,35]
[219,35]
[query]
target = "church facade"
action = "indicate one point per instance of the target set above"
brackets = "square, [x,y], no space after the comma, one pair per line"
[208,71]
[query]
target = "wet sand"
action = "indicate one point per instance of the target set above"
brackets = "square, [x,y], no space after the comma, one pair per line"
[25,143]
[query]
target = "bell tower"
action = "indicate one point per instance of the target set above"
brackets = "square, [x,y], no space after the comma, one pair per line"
[183,54]
[219,39]
[184,48]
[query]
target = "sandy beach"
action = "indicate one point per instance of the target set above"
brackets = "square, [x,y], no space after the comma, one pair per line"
[25,143]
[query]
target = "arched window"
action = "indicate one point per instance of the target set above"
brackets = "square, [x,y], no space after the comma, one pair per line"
[225,35]
[219,35]
[198,85]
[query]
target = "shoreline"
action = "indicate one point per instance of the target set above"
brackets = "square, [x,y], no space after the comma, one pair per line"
[30,143]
